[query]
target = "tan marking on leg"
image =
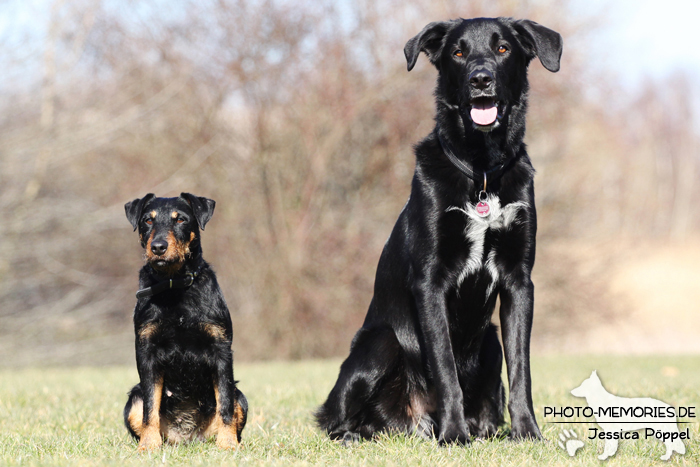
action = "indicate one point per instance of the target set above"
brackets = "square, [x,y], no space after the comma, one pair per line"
[151,438]
[226,435]
[148,330]
[214,330]
[213,426]
[238,417]
[135,417]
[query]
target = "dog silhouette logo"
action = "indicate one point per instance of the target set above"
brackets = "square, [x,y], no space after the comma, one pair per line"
[624,417]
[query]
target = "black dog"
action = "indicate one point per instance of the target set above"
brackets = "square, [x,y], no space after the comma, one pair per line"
[183,332]
[427,359]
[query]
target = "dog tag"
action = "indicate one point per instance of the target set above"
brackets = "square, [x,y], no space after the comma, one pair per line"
[482,207]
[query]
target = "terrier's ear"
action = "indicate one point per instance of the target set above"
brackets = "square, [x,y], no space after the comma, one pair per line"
[203,208]
[134,209]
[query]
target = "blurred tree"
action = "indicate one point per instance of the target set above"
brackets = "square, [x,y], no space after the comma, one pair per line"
[299,119]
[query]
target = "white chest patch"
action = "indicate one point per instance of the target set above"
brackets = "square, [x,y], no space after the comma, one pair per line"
[499,218]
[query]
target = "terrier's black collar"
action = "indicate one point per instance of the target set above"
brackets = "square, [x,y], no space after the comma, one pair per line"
[167,284]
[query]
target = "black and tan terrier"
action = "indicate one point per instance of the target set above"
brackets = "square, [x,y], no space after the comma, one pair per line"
[183,332]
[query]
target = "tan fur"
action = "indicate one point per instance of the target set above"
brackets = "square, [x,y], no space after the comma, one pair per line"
[179,251]
[149,254]
[175,255]
[153,214]
[136,417]
[148,330]
[421,405]
[213,427]
[215,331]
[237,417]
[174,215]
[151,438]
[185,425]
[226,435]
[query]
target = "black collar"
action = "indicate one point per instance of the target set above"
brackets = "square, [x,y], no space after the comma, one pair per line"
[490,175]
[167,284]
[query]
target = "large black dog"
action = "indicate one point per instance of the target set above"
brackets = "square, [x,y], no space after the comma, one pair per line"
[427,359]
[183,332]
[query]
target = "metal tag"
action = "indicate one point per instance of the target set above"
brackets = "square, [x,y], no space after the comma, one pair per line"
[482,207]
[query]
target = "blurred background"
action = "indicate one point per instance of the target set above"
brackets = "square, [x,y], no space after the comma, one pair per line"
[299,118]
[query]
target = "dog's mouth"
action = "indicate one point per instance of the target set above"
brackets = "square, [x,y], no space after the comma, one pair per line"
[162,262]
[170,262]
[485,112]
[164,265]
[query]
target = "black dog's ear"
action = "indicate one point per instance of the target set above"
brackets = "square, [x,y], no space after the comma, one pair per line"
[430,40]
[203,208]
[135,208]
[540,41]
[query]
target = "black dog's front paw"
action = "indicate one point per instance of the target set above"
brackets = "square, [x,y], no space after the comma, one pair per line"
[350,438]
[454,433]
[525,432]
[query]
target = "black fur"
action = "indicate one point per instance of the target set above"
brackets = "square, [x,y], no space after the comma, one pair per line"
[427,359]
[183,335]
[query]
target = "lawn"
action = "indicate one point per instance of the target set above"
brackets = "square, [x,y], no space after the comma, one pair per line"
[72,416]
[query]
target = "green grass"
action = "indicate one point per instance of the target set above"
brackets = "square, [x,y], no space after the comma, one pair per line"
[73,417]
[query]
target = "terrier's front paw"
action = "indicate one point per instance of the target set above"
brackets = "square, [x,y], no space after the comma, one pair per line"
[150,440]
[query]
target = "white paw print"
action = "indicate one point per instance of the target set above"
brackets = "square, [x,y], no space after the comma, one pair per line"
[569,441]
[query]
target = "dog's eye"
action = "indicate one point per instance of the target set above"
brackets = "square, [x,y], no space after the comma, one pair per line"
[180,220]
[502,49]
[458,53]
[149,221]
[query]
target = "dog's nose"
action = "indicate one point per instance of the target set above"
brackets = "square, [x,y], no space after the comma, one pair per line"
[480,79]
[159,247]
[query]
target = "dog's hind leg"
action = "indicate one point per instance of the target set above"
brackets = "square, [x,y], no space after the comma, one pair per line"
[370,389]
[133,412]
[240,413]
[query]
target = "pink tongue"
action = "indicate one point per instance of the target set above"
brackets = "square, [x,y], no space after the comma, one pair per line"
[484,114]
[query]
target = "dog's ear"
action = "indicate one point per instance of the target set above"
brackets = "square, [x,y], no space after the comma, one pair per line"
[430,40]
[134,209]
[541,42]
[203,208]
